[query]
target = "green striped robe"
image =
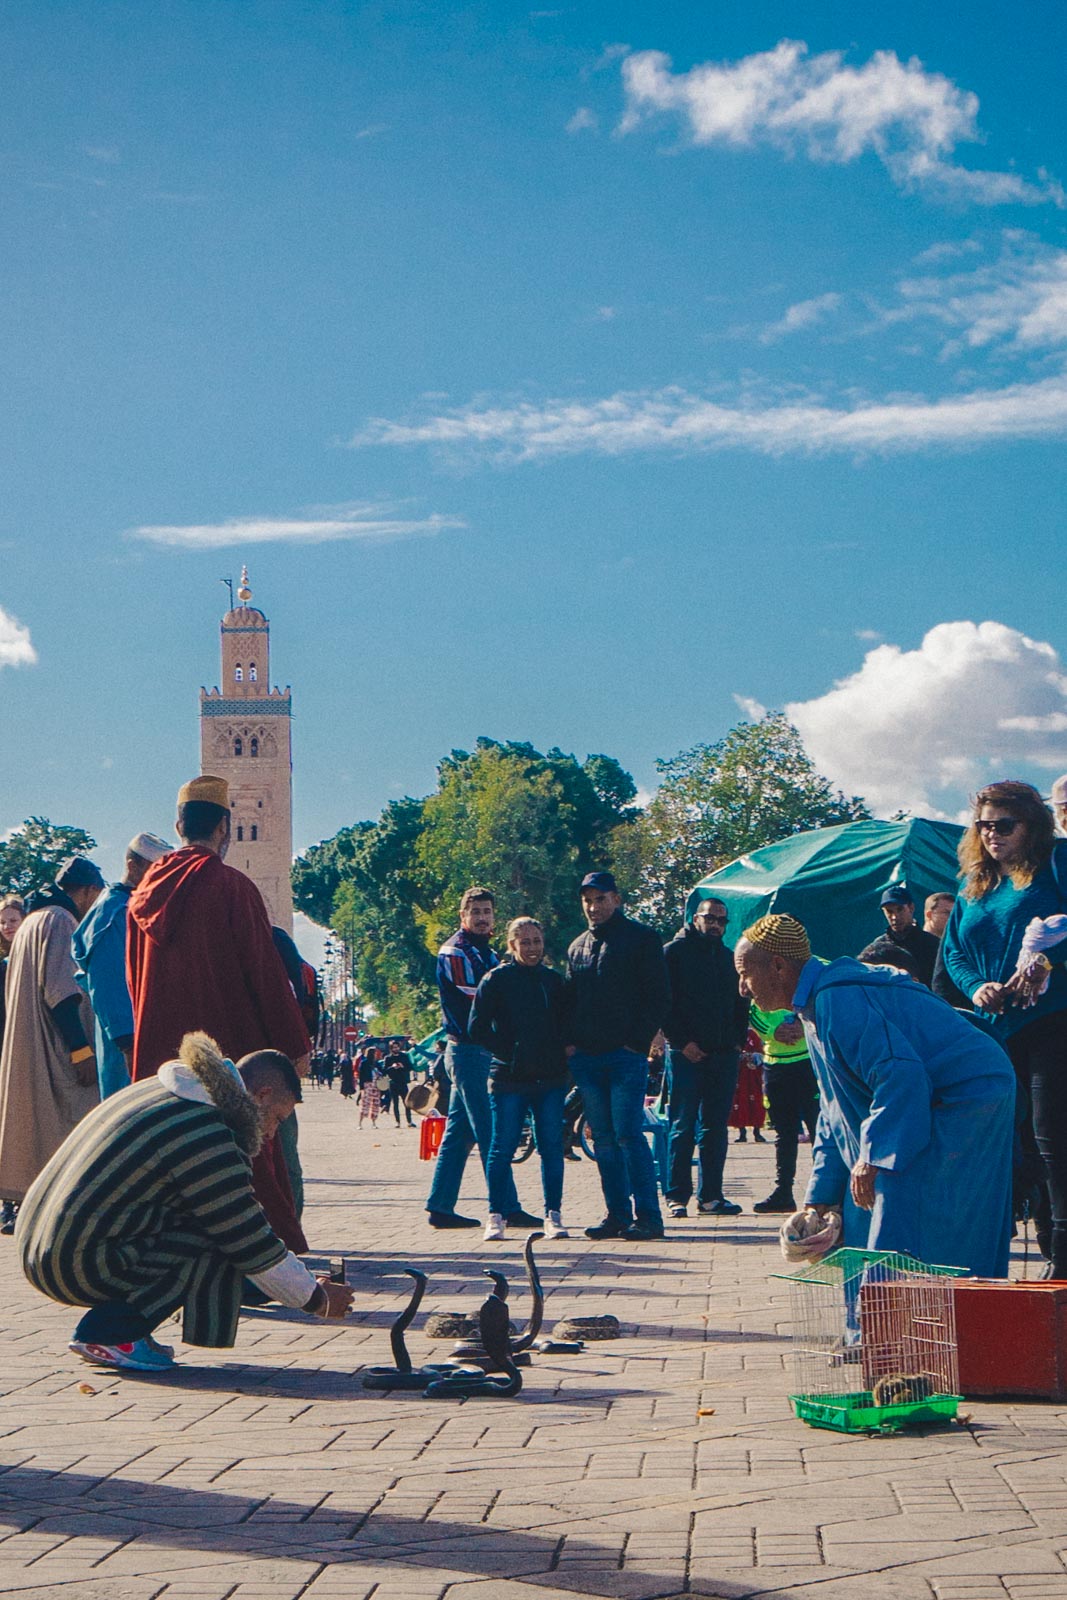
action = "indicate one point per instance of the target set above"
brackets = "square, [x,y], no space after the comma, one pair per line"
[149,1201]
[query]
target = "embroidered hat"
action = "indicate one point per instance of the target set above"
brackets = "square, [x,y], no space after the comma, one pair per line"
[212,791]
[780,935]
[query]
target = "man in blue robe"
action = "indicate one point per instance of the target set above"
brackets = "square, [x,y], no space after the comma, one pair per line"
[917,1105]
[99,947]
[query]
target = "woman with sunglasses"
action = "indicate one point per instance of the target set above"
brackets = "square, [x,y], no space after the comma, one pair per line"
[1007,867]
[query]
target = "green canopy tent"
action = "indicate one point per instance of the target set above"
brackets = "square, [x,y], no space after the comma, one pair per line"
[832,879]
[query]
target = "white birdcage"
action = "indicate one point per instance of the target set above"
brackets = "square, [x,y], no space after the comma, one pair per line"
[874,1341]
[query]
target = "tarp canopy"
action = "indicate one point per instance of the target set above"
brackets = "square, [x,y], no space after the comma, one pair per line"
[832,879]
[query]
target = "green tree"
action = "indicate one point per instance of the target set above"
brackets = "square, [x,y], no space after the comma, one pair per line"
[718,801]
[31,853]
[528,826]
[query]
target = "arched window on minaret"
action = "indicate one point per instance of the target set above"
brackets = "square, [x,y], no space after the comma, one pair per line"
[252,672]
[238,674]
[240,833]
[255,831]
[238,747]
[253,748]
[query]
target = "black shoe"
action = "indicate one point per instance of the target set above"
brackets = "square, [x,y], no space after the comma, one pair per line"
[523,1219]
[758,1136]
[571,1155]
[742,1137]
[7,1216]
[449,1219]
[610,1228]
[719,1208]
[780,1200]
[646,1228]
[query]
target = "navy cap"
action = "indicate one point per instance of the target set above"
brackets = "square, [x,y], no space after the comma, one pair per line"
[78,872]
[898,895]
[600,880]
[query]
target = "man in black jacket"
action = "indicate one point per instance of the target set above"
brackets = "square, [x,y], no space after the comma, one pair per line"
[615,1003]
[706,1028]
[898,908]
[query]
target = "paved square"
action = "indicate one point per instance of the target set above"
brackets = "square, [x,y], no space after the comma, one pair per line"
[268,1473]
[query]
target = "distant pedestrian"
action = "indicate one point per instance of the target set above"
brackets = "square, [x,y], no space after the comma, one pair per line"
[748,1110]
[706,1027]
[12,911]
[347,1077]
[398,1069]
[616,1001]
[370,1089]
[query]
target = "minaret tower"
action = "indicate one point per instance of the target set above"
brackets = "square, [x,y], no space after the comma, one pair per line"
[245,737]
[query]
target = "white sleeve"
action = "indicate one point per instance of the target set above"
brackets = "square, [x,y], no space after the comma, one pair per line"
[289,1282]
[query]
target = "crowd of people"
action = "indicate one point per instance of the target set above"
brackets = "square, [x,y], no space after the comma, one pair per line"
[155,1038]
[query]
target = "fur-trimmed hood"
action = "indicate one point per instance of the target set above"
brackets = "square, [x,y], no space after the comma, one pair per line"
[203,1073]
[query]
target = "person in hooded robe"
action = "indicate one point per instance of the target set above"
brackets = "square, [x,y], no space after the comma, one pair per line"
[47,1064]
[200,957]
[917,1105]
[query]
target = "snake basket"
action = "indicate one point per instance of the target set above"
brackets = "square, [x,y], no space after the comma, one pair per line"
[874,1342]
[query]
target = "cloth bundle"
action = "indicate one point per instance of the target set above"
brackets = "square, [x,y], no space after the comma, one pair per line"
[1042,933]
[807,1236]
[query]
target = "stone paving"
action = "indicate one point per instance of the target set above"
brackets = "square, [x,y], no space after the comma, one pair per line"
[663,1464]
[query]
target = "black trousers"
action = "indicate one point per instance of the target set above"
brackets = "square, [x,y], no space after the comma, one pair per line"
[1039,1055]
[793,1097]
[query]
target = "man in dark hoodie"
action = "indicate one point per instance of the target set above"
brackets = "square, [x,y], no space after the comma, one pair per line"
[200,958]
[706,1028]
[615,1003]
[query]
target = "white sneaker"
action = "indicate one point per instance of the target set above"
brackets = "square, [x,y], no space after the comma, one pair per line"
[554,1228]
[494,1228]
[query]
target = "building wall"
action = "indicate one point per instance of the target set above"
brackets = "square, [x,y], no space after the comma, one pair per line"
[245,737]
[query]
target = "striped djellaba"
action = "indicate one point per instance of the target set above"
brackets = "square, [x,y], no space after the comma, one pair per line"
[149,1202]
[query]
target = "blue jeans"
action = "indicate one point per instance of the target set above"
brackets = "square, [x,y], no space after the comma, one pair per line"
[112,1323]
[701,1095]
[509,1108]
[470,1123]
[613,1090]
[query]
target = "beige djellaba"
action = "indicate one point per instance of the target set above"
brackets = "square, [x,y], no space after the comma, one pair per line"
[41,1099]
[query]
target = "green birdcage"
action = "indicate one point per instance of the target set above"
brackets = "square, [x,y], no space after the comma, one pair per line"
[874,1342]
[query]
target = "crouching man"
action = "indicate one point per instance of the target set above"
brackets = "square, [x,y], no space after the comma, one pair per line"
[147,1207]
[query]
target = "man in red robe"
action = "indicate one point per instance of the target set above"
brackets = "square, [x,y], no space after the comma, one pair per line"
[200,958]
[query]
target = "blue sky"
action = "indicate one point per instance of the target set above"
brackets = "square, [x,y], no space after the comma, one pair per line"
[561,374]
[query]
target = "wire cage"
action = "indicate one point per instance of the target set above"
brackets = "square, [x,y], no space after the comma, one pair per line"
[874,1341]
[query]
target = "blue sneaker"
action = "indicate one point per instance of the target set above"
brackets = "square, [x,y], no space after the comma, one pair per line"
[143,1355]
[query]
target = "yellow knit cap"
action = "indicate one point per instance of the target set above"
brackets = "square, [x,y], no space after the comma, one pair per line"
[215,791]
[780,935]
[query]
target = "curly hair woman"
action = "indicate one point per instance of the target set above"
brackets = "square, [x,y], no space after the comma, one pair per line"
[1009,876]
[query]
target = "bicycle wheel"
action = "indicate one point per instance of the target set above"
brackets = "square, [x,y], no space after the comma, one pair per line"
[527,1143]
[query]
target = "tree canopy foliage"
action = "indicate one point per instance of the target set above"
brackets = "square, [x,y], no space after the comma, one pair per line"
[31,853]
[529,826]
[717,802]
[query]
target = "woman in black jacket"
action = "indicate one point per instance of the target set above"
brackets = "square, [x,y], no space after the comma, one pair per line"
[518,1017]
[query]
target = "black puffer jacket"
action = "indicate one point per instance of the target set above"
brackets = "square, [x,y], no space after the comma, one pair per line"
[706,1004]
[517,1016]
[617,994]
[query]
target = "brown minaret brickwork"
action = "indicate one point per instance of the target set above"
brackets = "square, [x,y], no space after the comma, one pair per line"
[245,737]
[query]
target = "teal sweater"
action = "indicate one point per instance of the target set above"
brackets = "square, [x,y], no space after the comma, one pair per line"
[984,937]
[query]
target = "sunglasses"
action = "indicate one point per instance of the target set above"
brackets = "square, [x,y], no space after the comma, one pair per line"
[1003,827]
[711,916]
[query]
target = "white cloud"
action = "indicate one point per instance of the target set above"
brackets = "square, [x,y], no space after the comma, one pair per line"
[801,315]
[922,728]
[584,120]
[752,709]
[356,522]
[676,420]
[1020,298]
[16,647]
[911,119]
[869,635]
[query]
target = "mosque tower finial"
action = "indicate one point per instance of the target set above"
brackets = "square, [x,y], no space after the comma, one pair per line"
[244,593]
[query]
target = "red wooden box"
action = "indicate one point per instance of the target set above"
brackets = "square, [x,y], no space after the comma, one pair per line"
[1012,1338]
